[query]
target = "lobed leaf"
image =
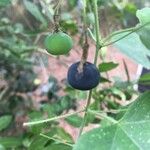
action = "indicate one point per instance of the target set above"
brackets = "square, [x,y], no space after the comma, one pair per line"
[131,132]
[133,48]
[144,17]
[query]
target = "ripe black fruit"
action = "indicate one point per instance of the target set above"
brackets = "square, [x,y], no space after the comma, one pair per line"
[85,80]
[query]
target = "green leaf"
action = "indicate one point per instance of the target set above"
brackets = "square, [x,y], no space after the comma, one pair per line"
[10,142]
[144,17]
[58,147]
[145,79]
[5,121]
[38,143]
[49,109]
[103,79]
[133,48]
[105,123]
[4,2]
[72,3]
[80,95]
[119,93]
[131,132]
[62,134]
[34,10]
[144,36]
[34,116]
[74,120]
[107,66]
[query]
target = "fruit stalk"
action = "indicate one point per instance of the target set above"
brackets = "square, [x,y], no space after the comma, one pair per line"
[86,45]
[98,47]
[56,17]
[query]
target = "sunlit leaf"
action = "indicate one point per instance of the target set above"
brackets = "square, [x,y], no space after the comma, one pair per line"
[144,17]
[131,132]
[133,48]
[58,147]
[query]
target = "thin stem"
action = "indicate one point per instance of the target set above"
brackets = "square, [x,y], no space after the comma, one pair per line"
[91,35]
[132,31]
[3,92]
[116,33]
[51,119]
[113,111]
[118,39]
[126,70]
[97,28]
[95,62]
[103,116]
[85,114]
[57,140]
[84,14]
[57,7]
[57,16]
[85,46]
[90,92]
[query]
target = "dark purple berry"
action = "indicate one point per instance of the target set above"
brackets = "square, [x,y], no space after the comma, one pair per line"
[85,80]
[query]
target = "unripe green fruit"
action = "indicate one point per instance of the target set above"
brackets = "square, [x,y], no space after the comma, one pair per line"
[58,43]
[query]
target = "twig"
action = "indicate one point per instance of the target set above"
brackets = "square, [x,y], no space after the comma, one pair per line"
[51,119]
[85,114]
[57,140]
[126,71]
[103,116]
[132,31]
[3,93]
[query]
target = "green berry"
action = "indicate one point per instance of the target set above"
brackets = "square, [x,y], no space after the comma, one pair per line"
[58,43]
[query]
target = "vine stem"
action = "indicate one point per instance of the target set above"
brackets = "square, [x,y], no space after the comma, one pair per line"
[56,140]
[97,28]
[56,16]
[103,116]
[85,114]
[116,33]
[51,119]
[130,31]
[85,46]
[98,46]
